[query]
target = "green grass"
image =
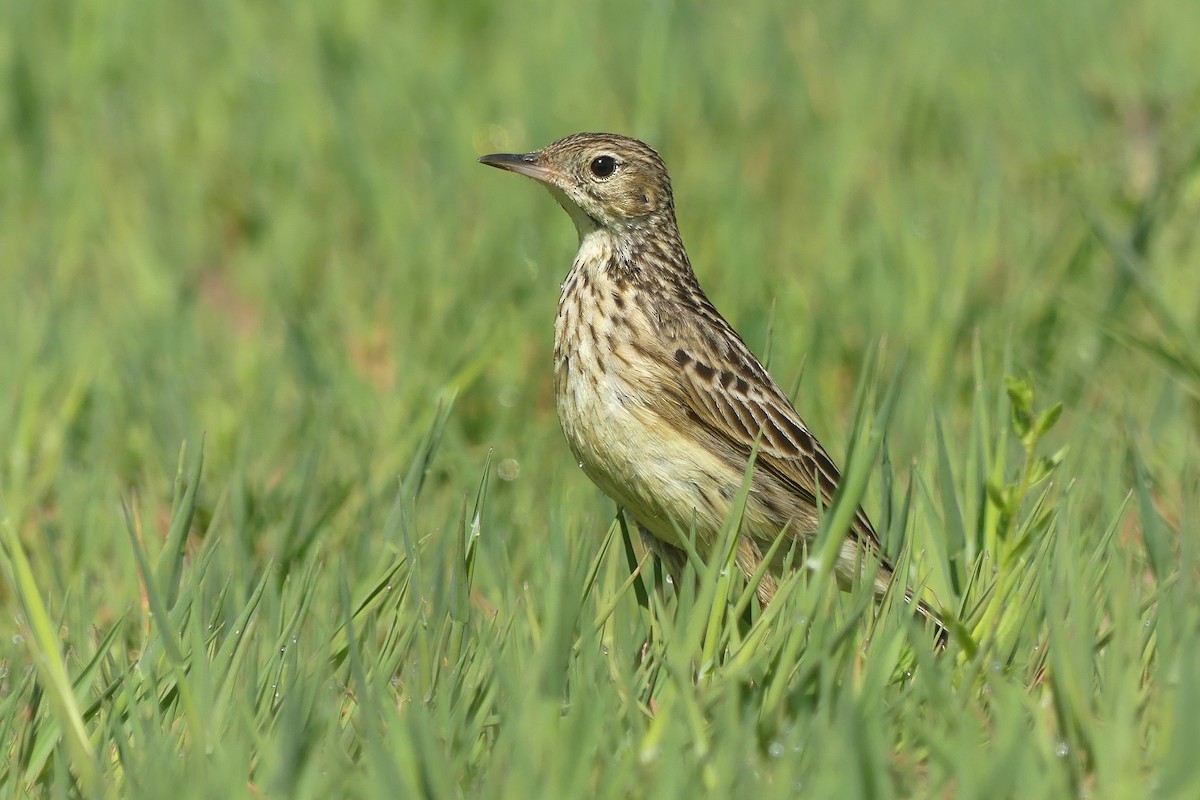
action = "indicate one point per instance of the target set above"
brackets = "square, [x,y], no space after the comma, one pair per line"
[284,506]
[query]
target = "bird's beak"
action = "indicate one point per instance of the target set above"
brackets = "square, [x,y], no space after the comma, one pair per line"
[527,164]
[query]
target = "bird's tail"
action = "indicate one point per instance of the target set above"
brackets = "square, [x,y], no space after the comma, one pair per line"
[883,580]
[924,610]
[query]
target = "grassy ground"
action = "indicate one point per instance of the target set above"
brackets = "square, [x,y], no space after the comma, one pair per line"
[257,232]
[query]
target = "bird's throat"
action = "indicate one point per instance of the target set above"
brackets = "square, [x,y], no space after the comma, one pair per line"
[595,252]
[584,223]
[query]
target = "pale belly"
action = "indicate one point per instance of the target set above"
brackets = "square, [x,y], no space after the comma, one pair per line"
[667,481]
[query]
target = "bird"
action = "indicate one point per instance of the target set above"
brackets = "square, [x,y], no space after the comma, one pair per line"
[661,401]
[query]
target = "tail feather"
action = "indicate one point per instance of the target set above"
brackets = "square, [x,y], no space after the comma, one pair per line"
[673,560]
[941,631]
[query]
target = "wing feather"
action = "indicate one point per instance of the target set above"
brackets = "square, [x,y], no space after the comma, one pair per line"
[737,408]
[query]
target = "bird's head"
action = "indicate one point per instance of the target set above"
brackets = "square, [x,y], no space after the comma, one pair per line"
[604,181]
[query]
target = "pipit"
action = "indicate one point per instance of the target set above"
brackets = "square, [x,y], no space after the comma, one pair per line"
[660,399]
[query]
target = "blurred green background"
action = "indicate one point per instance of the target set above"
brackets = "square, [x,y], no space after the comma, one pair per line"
[263,224]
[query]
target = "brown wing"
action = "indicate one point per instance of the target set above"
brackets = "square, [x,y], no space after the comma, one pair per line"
[738,400]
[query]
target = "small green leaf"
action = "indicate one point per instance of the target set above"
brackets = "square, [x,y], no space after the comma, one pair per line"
[1059,456]
[1020,394]
[1047,419]
[1043,467]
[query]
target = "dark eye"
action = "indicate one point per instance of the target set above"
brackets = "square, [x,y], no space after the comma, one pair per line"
[603,166]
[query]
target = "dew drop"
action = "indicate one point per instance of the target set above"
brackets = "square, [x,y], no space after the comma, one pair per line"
[508,469]
[775,749]
[1062,749]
